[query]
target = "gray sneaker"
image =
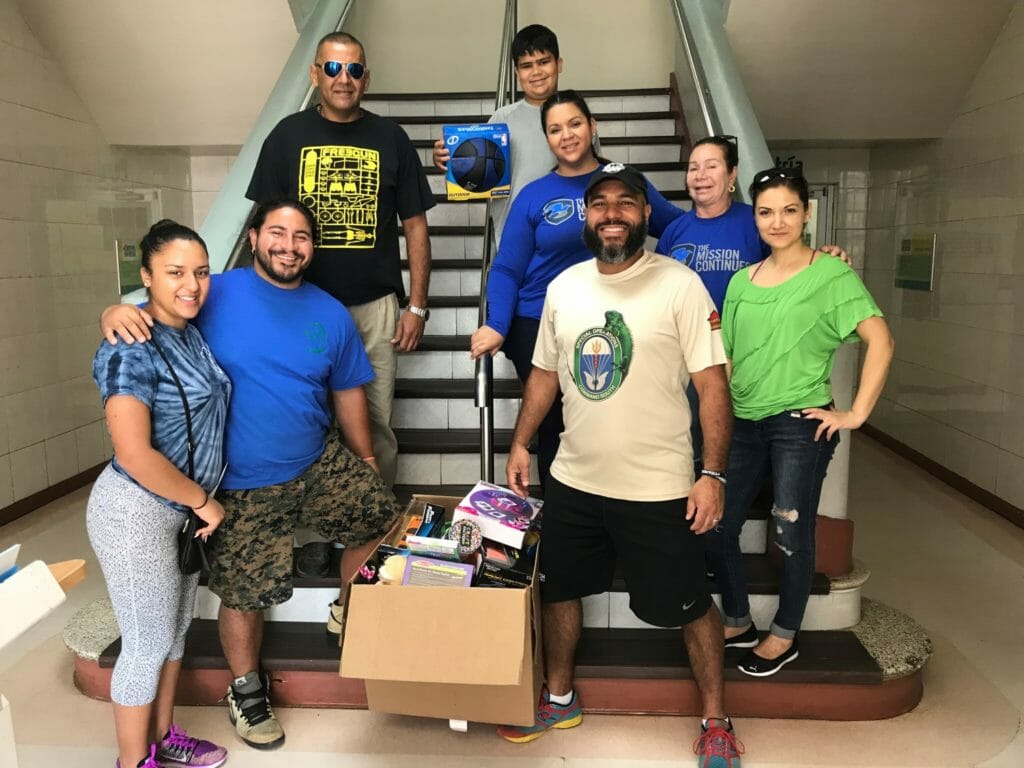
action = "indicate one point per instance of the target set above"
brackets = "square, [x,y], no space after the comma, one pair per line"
[249,709]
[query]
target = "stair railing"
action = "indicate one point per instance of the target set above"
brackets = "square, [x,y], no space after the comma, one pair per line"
[224,229]
[711,89]
[483,376]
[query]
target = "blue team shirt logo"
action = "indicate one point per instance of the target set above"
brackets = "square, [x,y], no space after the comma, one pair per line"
[316,337]
[684,252]
[558,211]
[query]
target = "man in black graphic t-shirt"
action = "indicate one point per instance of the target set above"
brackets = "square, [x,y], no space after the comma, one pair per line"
[359,173]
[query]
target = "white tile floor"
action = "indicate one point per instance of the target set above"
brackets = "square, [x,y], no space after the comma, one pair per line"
[957,568]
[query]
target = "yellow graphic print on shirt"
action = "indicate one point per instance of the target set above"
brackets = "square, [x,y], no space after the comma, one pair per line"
[340,185]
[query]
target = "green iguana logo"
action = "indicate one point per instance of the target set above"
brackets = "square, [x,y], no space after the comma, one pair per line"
[601,358]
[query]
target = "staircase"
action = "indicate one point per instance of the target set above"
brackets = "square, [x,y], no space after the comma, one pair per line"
[848,668]
[434,418]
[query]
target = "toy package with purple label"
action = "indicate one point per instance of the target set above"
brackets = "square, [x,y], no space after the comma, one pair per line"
[502,516]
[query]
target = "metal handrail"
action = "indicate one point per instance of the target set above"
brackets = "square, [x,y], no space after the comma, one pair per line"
[483,375]
[722,102]
[711,123]
[327,16]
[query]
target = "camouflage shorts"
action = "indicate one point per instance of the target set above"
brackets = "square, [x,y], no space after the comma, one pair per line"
[251,554]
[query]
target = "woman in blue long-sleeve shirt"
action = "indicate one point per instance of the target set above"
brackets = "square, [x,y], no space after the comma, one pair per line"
[543,236]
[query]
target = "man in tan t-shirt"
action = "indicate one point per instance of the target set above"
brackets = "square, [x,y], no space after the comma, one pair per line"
[621,336]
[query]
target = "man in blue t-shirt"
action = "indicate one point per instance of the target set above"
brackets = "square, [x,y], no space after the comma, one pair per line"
[296,363]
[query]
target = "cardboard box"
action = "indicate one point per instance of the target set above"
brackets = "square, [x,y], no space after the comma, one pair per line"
[480,166]
[448,652]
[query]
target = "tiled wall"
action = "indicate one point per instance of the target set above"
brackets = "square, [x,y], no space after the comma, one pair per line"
[209,171]
[956,392]
[65,196]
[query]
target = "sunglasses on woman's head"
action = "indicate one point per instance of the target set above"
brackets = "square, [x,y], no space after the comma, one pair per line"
[725,137]
[776,173]
[333,69]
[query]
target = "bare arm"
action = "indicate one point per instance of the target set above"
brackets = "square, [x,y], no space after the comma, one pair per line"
[441,155]
[874,332]
[541,391]
[353,416]
[417,246]
[129,423]
[127,322]
[706,501]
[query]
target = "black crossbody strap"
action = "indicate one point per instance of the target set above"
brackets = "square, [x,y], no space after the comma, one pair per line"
[188,412]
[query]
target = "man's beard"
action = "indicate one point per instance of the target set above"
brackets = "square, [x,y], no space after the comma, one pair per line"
[615,254]
[267,263]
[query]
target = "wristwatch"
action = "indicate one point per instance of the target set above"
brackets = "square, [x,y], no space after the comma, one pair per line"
[421,312]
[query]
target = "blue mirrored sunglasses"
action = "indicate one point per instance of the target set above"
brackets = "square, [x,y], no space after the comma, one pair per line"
[333,69]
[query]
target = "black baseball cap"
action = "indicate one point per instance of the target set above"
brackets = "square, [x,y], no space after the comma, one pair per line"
[627,174]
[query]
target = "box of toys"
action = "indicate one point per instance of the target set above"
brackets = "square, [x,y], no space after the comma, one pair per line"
[480,164]
[443,623]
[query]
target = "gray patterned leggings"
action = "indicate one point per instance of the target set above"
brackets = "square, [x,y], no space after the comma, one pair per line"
[135,538]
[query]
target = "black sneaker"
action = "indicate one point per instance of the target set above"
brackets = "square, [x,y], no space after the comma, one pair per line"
[249,709]
[314,559]
[752,664]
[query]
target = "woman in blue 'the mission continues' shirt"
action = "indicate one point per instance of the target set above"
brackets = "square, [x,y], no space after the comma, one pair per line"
[543,236]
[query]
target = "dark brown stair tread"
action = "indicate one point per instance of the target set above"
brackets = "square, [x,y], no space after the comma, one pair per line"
[448,440]
[479,118]
[606,141]
[448,230]
[453,95]
[453,301]
[825,657]
[451,388]
[664,165]
[431,343]
[405,492]
[763,575]
[450,264]
[669,194]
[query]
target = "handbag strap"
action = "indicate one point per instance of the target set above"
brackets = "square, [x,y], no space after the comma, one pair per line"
[188,412]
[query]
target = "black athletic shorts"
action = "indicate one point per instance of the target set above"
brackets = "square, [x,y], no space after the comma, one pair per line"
[661,559]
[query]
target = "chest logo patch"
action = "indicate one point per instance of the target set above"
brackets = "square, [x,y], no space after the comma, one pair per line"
[316,338]
[684,253]
[340,185]
[558,211]
[601,358]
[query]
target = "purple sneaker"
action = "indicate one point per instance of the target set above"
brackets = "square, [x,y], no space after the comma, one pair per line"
[177,748]
[149,762]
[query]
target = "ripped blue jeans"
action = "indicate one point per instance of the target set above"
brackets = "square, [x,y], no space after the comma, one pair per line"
[784,446]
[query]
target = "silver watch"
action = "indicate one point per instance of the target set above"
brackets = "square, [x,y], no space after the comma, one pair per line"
[421,312]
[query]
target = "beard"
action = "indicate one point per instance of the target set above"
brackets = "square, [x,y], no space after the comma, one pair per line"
[615,254]
[267,263]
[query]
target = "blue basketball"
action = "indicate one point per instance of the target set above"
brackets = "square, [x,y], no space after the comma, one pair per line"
[477,165]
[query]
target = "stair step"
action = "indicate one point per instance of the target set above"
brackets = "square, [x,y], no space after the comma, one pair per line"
[453,388]
[480,118]
[618,671]
[829,656]
[450,264]
[404,493]
[442,199]
[449,440]
[454,95]
[665,165]
[444,344]
[609,141]
[454,301]
[832,656]
[762,572]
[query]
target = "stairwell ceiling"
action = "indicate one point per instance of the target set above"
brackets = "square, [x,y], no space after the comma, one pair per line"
[856,70]
[151,72]
[196,72]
